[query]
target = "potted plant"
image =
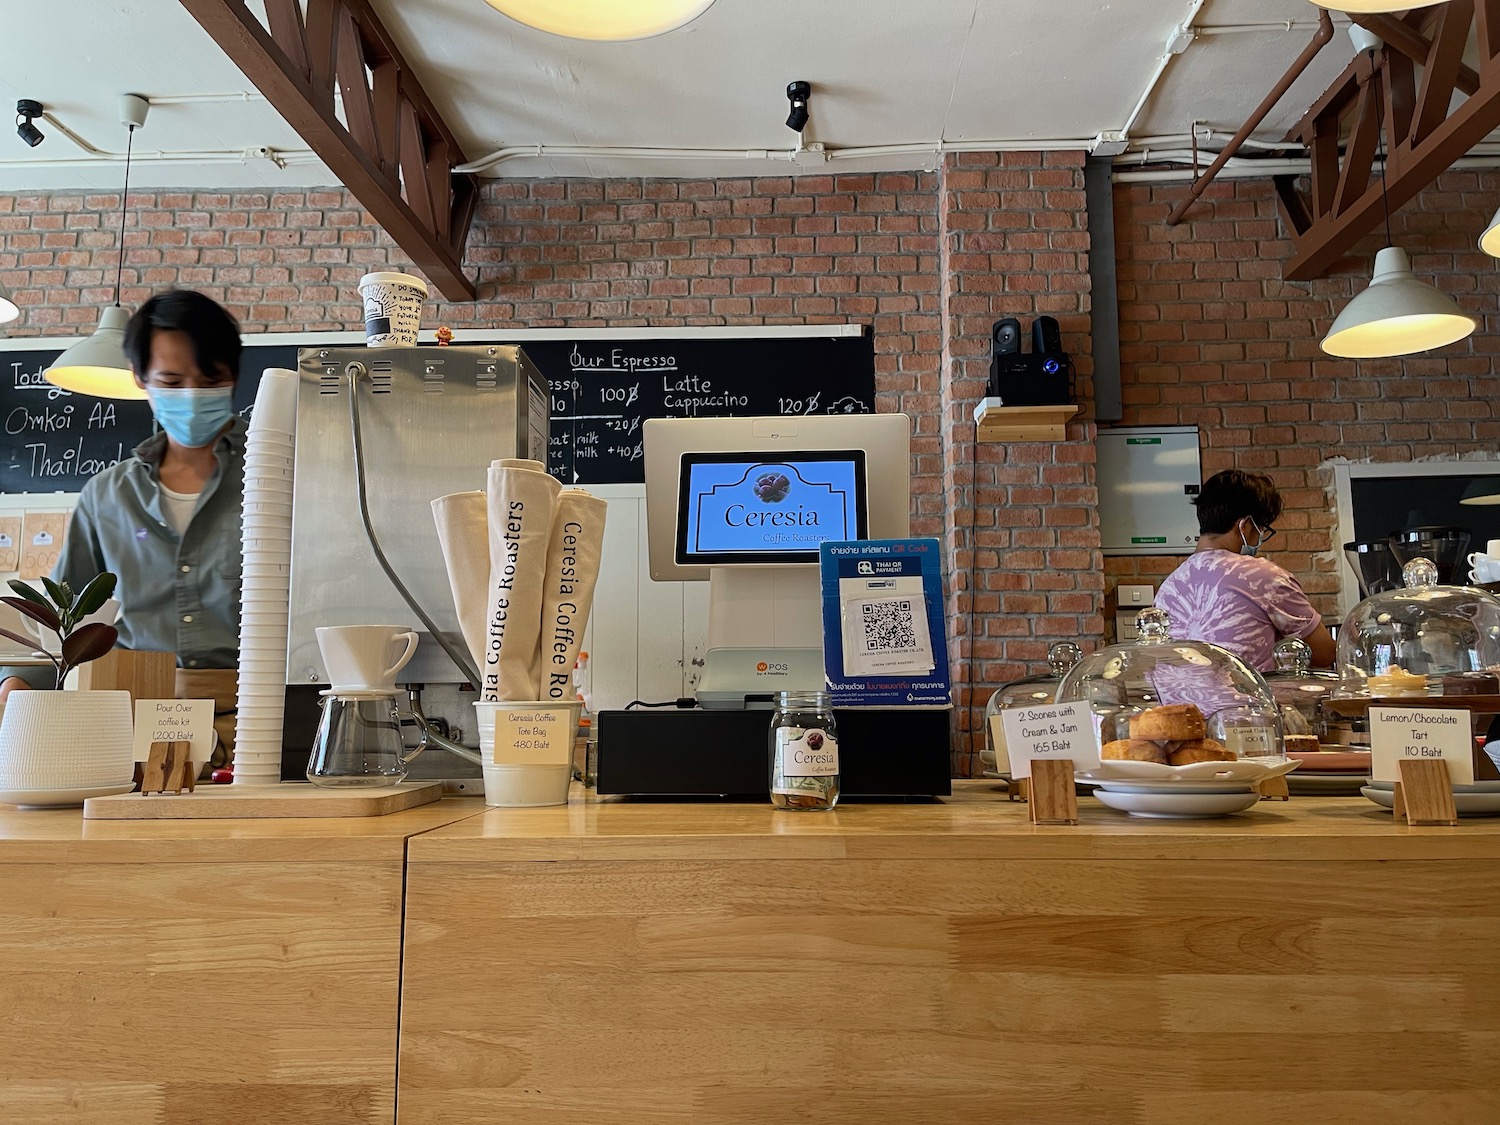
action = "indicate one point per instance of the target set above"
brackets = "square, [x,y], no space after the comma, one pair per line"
[63,746]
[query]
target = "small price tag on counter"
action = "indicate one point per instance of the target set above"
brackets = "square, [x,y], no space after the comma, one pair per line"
[1057,731]
[174,720]
[1420,734]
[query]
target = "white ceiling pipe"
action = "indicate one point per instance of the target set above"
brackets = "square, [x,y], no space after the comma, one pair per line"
[1185,27]
[1264,28]
[1261,169]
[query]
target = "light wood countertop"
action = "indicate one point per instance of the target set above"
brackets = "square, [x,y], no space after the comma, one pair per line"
[976,822]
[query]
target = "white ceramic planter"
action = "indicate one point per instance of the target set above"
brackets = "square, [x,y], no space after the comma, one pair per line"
[66,740]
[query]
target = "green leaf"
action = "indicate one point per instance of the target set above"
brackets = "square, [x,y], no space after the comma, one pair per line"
[62,594]
[30,593]
[42,613]
[88,643]
[94,595]
[29,642]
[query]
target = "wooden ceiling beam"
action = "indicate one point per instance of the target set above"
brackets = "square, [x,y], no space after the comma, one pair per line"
[1411,43]
[397,156]
[1423,138]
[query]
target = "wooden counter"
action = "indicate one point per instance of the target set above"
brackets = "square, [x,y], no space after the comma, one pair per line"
[615,964]
[202,972]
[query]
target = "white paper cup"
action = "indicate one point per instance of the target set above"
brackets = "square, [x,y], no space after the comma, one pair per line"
[275,401]
[393,308]
[535,752]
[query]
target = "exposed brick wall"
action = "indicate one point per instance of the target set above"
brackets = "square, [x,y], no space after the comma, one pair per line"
[1210,335]
[1015,243]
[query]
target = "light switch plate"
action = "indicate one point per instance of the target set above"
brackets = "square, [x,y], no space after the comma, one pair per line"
[1135,596]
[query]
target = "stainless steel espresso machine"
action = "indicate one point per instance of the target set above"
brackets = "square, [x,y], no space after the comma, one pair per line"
[381,432]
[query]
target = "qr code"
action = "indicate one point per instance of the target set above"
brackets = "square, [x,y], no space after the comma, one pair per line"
[888,626]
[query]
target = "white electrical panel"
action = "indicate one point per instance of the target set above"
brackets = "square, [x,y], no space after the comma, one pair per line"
[1148,476]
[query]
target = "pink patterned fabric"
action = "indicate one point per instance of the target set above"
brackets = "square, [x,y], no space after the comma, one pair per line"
[1237,602]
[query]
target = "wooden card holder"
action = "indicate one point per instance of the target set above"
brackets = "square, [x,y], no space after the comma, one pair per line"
[1274,789]
[1053,799]
[1016,789]
[169,766]
[1424,795]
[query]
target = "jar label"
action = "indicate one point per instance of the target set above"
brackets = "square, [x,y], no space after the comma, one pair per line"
[806,753]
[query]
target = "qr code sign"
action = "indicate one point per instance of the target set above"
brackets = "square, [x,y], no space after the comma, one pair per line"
[888,626]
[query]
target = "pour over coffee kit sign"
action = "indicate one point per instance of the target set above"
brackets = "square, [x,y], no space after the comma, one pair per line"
[174,720]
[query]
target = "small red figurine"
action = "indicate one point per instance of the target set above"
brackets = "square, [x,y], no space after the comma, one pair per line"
[444,336]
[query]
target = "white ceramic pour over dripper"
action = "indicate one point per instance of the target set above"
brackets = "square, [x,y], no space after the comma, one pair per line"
[365,658]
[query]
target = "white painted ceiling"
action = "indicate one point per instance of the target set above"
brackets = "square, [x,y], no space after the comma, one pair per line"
[1040,73]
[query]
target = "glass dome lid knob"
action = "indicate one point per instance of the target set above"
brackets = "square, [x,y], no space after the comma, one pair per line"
[1062,656]
[1154,625]
[1293,655]
[1419,574]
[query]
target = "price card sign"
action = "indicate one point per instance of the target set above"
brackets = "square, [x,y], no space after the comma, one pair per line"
[174,720]
[1420,734]
[1058,730]
[534,736]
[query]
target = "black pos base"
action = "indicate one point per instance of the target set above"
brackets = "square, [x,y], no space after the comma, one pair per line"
[884,753]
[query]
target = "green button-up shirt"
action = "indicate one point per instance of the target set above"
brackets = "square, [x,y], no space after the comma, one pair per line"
[177,593]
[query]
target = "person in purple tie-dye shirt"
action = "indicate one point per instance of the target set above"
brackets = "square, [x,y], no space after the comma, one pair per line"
[1225,593]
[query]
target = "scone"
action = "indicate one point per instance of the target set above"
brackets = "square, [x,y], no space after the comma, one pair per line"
[1133,750]
[1201,750]
[1174,722]
[1302,743]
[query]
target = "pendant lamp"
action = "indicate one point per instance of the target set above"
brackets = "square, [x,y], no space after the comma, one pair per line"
[1396,314]
[1489,241]
[1367,7]
[603,19]
[9,310]
[1482,490]
[97,366]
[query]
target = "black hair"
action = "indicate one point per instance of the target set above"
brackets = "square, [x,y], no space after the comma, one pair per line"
[1230,496]
[215,334]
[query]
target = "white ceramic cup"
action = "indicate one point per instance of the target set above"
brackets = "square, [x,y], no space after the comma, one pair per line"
[365,657]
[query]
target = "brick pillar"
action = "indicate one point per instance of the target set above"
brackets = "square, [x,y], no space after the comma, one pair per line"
[1021,527]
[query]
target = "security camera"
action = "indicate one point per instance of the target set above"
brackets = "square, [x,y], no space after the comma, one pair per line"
[798,93]
[26,111]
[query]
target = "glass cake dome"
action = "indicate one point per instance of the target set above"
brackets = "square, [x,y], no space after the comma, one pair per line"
[1300,691]
[1175,702]
[1425,639]
[993,760]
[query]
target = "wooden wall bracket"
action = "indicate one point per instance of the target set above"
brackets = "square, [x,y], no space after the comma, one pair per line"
[1423,133]
[396,154]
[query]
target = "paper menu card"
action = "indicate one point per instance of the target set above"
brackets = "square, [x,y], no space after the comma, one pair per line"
[1053,730]
[174,720]
[1420,734]
[42,535]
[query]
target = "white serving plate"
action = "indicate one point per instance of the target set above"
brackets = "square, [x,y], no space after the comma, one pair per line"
[1310,783]
[1467,804]
[1186,805]
[1242,771]
[1195,787]
[59,798]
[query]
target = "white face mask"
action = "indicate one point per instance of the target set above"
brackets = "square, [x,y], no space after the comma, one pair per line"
[1247,547]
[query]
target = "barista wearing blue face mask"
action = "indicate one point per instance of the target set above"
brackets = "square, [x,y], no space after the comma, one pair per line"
[1227,593]
[167,519]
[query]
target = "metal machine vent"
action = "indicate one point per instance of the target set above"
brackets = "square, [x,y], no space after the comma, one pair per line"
[381,373]
[330,381]
[432,377]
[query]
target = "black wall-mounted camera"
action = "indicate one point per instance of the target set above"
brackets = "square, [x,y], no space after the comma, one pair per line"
[1042,377]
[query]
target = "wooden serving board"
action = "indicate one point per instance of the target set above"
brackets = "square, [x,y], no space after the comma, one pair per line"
[289,799]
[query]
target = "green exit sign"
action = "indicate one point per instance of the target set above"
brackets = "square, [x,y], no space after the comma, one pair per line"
[1143,441]
[1147,539]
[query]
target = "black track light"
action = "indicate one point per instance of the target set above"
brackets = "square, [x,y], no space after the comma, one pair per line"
[26,111]
[798,93]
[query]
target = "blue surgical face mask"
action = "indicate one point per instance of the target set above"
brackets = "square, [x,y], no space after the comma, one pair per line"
[1249,548]
[192,416]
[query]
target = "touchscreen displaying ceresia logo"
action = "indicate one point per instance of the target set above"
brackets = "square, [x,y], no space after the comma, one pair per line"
[739,507]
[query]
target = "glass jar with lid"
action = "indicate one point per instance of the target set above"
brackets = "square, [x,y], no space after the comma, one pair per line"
[1299,692]
[1424,639]
[993,759]
[804,752]
[1174,702]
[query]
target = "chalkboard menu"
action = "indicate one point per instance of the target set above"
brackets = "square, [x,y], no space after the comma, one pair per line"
[602,390]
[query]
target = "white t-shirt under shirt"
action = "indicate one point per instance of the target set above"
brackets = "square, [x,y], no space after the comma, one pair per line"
[178,508]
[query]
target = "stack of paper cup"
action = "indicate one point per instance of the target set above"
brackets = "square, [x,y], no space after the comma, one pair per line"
[264,605]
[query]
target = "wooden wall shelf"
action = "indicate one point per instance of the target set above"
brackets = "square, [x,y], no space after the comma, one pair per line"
[995,422]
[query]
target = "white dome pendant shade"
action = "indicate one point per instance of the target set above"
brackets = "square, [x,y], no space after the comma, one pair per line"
[603,19]
[97,366]
[1396,315]
[1489,241]
[1367,7]
[9,310]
